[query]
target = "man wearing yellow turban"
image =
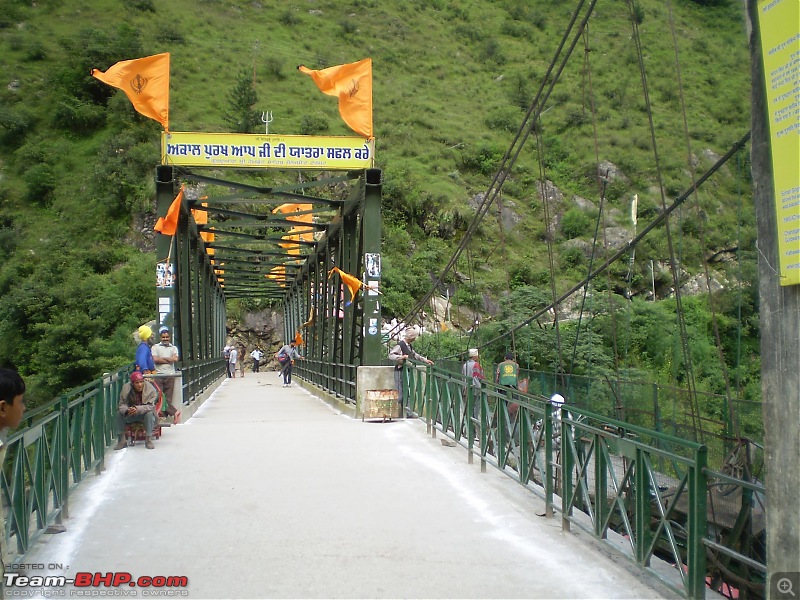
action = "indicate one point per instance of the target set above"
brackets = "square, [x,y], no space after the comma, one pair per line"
[144,356]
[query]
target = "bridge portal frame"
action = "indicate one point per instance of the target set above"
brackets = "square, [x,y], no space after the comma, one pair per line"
[340,335]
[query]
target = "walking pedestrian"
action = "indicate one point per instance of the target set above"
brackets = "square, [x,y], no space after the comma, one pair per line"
[286,356]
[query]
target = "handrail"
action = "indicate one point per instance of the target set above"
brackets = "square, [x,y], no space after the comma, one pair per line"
[58,445]
[59,442]
[601,474]
[335,378]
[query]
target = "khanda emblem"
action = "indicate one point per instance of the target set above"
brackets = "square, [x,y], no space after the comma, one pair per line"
[138,84]
[352,89]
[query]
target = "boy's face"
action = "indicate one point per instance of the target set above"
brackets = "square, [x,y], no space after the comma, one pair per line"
[11,413]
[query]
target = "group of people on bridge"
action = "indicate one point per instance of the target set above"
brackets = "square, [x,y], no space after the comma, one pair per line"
[506,374]
[139,398]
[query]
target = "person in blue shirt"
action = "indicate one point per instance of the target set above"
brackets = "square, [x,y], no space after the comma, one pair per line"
[144,355]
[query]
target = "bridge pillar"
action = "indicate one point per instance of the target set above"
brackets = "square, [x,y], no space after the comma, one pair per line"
[371,227]
[166,282]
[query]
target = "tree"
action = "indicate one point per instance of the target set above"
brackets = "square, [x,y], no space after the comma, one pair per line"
[240,115]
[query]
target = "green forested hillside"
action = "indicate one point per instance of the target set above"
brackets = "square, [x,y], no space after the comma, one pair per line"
[452,81]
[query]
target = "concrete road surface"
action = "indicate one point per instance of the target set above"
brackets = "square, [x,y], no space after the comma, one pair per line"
[268,492]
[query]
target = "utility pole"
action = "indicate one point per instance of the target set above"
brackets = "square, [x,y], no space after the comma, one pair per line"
[779,316]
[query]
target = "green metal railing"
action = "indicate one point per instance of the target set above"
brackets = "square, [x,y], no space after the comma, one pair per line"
[338,379]
[59,443]
[602,475]
[199,375]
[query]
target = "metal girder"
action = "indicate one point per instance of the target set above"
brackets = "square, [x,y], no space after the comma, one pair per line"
[341,333]
[280,193]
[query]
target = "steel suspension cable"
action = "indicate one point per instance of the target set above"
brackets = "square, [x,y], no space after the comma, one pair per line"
[549,232]
[701,231]
[512,154]
[683,335]
[623,250]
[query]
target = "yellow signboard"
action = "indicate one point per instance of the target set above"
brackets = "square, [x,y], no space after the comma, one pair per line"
[185,149]
[779,23]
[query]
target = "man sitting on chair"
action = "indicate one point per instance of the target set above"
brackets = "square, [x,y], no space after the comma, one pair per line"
[137,404]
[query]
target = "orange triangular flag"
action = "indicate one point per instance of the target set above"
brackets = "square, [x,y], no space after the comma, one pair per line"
[168,225]
[201,216]
[353,283]
[278,274]
[295,234]
[208,238]
[352,83]
[146,83]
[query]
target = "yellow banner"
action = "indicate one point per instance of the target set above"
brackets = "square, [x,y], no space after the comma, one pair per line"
[779,24]
[266,151]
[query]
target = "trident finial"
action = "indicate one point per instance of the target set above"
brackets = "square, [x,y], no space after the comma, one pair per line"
[266,119]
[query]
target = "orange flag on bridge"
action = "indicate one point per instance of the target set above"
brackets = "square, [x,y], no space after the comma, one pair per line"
[353,283]
[201,218]
[352,83]
[168,225]
[146,83]
[296,234]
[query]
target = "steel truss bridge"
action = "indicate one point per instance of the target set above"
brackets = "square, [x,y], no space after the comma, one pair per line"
[602,475]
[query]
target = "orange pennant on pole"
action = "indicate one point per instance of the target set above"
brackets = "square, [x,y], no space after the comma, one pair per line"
[353,283]
[352,84]
[146,83]
[168,225]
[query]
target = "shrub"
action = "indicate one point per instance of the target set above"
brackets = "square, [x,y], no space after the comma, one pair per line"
[575,223]
[170,33]
[467,296]
[484,159]
[492,51]
[142,5]
[572,257]
[41,181]
[348,27]
[516,29]
[77,116]
[94,48]
[289,18]
[274,67]
[576,117]
[35,52]
[13,127]
[313,124]
[505,118]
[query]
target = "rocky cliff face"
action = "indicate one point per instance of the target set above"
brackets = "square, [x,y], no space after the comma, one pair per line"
[262,329]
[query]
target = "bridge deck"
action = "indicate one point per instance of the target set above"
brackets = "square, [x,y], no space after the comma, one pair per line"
[268,492]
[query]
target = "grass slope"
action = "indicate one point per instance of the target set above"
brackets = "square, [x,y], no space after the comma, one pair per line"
[451,83]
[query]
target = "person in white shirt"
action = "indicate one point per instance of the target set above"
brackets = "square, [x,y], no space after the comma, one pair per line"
[165,355]
[256,356]
[233,357]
